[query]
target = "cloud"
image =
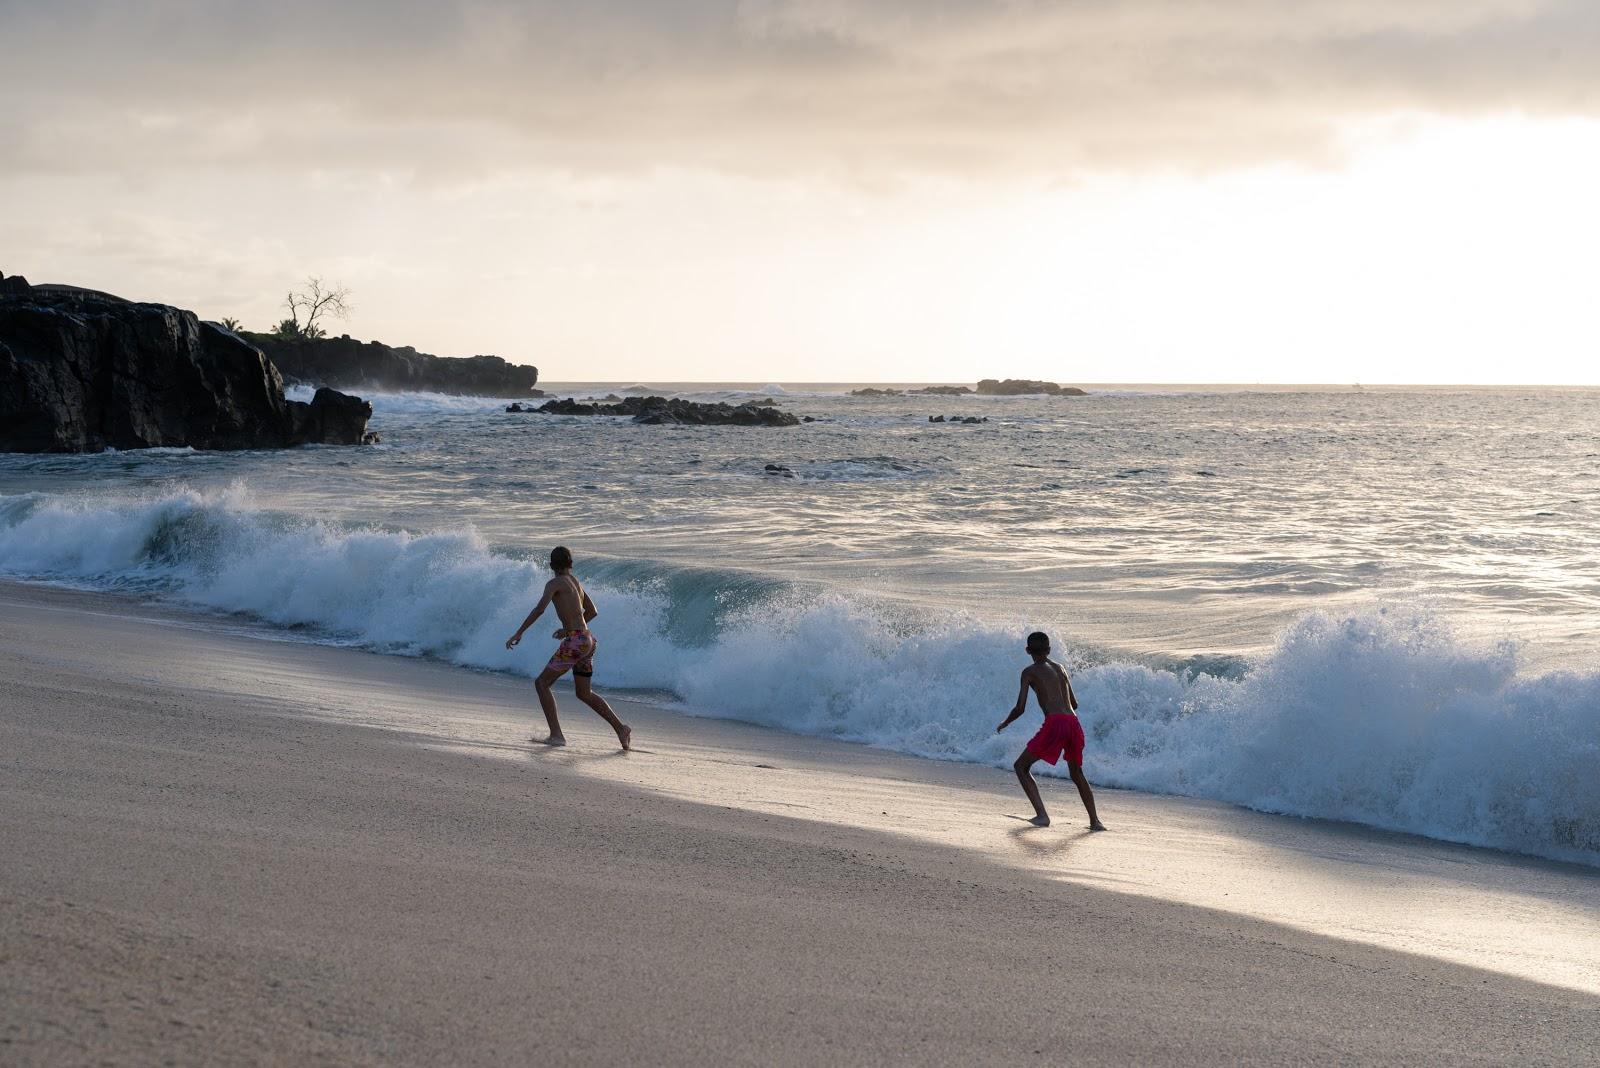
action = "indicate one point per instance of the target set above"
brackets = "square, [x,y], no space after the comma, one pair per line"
[869,89]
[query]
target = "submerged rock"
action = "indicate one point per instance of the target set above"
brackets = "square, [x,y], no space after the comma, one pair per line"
[82,372]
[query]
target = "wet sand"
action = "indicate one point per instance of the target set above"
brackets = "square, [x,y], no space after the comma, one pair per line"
[224,849]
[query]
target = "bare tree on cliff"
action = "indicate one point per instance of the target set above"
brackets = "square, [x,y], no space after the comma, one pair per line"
[308,306]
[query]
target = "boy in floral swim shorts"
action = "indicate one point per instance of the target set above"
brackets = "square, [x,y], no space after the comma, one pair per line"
[576,651]
[1061,733]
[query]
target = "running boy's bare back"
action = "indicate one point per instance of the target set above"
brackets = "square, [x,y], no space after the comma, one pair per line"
[575,651]
[1061,733]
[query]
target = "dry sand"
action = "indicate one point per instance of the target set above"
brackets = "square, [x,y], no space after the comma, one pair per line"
[219,849]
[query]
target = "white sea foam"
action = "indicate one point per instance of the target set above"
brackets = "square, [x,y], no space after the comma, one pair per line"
[412,403]
[1381,717]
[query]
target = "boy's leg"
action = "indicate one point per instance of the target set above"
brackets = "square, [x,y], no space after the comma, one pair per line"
[585,687]
[547,701]
[1031,788]
[1076,771]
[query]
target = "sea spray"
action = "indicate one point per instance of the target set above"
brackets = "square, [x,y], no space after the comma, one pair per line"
[415,403]
[1381,716]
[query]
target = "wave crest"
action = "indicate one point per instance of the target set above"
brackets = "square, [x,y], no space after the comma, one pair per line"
[418,402]
[1381,717]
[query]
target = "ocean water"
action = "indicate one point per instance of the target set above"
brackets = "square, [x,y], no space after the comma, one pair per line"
[1380,606]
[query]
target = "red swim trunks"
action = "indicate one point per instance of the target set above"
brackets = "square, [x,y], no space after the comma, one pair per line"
[576,652]
[1061,733]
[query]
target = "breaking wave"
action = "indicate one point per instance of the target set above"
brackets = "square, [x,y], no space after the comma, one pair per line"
[414,403]
[1381,717]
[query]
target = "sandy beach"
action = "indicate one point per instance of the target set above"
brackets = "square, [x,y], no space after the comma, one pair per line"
[224,849]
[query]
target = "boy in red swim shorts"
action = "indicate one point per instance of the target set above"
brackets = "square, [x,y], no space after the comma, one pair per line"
[1061,733]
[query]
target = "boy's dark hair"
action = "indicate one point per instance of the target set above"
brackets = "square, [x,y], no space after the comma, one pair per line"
[561,558]
[1039,640]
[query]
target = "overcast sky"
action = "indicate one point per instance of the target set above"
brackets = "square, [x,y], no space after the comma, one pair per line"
[783,190]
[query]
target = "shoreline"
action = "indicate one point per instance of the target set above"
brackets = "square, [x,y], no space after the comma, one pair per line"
[246,850]
[242,624]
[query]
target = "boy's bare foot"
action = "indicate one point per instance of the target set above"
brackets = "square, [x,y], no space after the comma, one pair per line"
[554,739]
[625,736]
[1040,821]
[1097,826]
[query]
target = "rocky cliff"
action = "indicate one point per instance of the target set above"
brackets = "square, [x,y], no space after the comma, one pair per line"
[83,372]
[345,363]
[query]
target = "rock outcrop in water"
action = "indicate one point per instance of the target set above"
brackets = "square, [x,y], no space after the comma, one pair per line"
[332,418]
[1018,387]
[344,363]
[81,372]
[989,387]
[655,411]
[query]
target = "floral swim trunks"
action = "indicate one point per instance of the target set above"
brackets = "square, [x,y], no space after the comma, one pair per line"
[575,653]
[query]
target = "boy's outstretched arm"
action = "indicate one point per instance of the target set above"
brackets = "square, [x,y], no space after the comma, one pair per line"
[589,610]
[1022,703]
[538,610]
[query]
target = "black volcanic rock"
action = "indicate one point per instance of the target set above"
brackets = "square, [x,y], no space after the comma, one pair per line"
[940,391]
[657,411]
[83,373]
[1017,387]
[332,418]
[344,363]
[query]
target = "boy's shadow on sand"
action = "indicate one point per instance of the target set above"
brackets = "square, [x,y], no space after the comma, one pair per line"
[1038,840]
[570,752]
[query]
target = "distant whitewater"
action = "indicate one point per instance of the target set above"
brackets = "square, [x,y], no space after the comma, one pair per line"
[1379,715]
